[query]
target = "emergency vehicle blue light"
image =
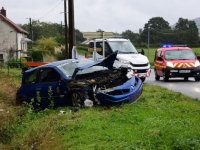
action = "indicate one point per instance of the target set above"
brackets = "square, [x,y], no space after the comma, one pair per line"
[166,45]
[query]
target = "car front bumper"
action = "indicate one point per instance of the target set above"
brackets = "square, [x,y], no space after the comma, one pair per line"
[129,92]
[183,72]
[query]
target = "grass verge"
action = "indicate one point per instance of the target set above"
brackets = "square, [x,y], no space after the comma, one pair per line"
[160,119]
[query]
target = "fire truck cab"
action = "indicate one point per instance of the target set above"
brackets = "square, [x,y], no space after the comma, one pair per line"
[172,61]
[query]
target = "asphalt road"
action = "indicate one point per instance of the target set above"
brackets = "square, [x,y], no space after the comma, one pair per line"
[190,87]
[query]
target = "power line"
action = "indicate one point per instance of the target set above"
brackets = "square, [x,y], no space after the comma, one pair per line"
[50,11]
[179,32]
[162,32]
[103,20]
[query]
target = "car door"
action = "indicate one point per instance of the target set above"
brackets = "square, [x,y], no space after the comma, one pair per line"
[159,62]
[51,87]
[29,86]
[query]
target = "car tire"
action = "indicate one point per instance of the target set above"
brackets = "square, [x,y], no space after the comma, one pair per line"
[157,77]
[196,78]
[19,101]
[165,77]
[77,99]
[143,79]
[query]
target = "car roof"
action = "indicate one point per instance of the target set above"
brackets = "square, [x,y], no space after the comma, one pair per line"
[54,64]
[107,62]
[173,48]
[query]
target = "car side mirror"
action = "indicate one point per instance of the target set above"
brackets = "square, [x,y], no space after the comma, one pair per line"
[142,51]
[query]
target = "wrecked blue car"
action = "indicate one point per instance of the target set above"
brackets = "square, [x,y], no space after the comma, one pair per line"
[73,81]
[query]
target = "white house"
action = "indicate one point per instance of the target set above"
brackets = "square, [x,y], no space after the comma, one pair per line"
[13,39]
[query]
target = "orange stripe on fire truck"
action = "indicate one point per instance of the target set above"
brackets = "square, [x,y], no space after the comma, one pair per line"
[183,65]
[175,64]
[180,65]
[188,65]
[192,64]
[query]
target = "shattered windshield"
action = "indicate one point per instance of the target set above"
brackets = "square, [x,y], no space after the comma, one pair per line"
[122,46]
[179,55]
[69,67]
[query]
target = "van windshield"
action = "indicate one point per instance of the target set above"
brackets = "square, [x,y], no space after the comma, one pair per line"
[122,47]
[179,55]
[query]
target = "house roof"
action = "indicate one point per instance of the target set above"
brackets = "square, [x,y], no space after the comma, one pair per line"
[12,24]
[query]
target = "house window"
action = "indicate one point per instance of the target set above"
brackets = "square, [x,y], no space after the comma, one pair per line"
[1,56]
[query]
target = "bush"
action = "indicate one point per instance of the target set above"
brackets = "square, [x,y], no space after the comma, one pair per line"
[15,63]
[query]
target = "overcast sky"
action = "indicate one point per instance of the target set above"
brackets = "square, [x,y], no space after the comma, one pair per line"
[107,15]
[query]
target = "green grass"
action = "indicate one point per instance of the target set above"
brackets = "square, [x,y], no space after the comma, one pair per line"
[160,119]
[13,73]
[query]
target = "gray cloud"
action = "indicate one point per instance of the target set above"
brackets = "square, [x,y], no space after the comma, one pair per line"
[108,15]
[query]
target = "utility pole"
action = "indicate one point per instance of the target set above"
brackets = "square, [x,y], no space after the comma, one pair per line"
[31,34]
[71,26]
[148,40]
[66,42]
[61,28]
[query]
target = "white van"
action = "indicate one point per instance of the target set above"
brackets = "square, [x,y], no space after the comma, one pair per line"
[127,54]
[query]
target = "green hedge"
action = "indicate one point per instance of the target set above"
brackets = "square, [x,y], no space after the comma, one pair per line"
[16,63]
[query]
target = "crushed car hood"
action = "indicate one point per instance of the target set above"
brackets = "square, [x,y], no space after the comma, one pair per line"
[107,62]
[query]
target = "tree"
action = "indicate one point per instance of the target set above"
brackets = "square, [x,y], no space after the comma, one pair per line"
[79,36]
[43,29]
[155,25]
[187,32]
[128,34]
[48,29]
[47,44]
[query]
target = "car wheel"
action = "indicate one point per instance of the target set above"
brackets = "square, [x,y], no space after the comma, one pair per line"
[157,77]
[19,101]
[143,79]
[165,77]
[77,99]
[197,78]
[186,78]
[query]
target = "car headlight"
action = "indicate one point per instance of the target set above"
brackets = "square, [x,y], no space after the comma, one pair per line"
[197,64]
[169,64]
[124,61]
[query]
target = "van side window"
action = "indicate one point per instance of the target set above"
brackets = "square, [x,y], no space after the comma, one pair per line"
[107,49]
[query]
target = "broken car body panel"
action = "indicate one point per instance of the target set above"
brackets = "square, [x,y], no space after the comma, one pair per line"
[107,62]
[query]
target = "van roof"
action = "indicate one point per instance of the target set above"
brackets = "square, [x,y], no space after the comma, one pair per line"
[113,39]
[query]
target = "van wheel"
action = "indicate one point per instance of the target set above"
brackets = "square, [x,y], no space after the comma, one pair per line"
[197,78]
[77,99]
[165,77]
[157,77]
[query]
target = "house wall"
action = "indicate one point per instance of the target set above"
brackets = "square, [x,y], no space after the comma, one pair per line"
[10,42]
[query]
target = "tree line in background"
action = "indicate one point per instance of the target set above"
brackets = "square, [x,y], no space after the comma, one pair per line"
[156,31]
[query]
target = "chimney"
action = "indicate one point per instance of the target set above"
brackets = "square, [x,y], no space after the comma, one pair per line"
[3,11]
